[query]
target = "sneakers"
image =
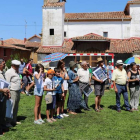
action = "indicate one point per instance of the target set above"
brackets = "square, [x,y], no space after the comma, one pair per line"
[65,115]
[18,123]
[37,122]
[27,93]
[59,117]
[40,120]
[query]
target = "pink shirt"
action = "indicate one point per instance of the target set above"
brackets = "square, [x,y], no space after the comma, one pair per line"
[29,68]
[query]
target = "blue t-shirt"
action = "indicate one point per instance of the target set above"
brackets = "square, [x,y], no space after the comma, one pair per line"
[58,81]
[21,67]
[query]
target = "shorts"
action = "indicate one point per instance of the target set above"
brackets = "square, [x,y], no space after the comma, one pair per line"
[53,104]
[38,91]
[29,79]
[59,97]
[99,89]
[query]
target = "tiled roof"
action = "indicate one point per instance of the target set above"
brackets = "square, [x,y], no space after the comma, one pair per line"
[34,36]
[124,45]
[90,36]
[66,48]
[32,44]
[14,41]
[57,4]
[134,1]
[102,15]
[5,45]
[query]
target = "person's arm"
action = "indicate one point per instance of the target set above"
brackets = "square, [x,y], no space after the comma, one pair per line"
[67,77]
[62,86]
[71,79]
[46,89]
[5,91]
[94,78]
[37,76]
[115,88]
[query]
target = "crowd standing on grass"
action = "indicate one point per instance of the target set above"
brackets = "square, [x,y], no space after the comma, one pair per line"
[56,83]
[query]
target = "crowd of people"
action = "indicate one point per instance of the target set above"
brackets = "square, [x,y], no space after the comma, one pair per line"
[56,83]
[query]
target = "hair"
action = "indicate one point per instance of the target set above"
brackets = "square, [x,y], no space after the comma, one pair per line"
[38,66]
[57,70]
[132,64]
[59,64]
[1,60]
[30,60]
[83,62]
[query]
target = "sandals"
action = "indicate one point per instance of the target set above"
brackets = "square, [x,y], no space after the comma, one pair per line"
[97,110]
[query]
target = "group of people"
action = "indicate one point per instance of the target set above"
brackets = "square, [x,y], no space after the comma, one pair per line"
[56,83]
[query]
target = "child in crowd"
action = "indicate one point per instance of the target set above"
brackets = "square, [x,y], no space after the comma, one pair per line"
[38,92]
[59,92]
[50,88]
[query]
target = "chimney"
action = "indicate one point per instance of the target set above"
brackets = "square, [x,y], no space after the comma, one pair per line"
[25,39]
[1,39]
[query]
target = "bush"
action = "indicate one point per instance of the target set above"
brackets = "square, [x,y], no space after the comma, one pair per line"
[14,57]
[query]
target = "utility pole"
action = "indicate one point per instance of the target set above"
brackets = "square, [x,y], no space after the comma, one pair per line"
[25,28]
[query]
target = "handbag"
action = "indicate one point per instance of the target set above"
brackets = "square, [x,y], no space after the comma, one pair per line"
[9,109]
[48,99]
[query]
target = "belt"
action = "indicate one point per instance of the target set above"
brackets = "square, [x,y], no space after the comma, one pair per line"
[82,82]
[121,85]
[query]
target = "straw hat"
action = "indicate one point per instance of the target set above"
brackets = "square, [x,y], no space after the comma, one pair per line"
[99,59]
[119,62]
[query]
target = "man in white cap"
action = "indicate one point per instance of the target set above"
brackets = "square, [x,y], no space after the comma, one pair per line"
[119,79]
[15,85]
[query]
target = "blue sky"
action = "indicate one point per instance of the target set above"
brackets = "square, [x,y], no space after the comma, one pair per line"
[13,14]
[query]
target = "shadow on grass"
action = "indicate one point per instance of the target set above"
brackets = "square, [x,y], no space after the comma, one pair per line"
[21,118]
[93,106]
[114,107]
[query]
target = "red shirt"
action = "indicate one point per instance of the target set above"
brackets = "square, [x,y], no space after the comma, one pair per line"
[29,68]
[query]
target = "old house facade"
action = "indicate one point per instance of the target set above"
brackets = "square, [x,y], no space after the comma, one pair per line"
[104,32]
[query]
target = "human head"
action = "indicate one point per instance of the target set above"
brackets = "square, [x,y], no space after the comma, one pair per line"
[15,65]
[50,73]
[110,63]
[100,62]
[21,60]
[57,72]
[30,61]
[38,66]
[72,65]
[2,64]
[119,64]
[84,65]
[133,66]
[61,65]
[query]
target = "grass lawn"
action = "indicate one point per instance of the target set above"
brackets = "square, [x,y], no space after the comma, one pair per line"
[107,125]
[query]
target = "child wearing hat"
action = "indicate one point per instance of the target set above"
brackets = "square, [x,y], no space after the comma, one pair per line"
[50,88]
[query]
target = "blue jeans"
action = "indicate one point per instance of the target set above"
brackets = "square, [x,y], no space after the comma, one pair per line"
[122,90]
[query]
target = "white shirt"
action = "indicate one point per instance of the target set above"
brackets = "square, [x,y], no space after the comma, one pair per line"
[50,85]
[13,78]
[38,82]
[83,75]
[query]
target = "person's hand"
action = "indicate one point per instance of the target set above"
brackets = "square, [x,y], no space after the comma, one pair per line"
[63,95]
[101,81]
[137,79]
[41,70]
[116,90]
[6,90]
[90,84]
[64,69]
[54,89]
[77,78]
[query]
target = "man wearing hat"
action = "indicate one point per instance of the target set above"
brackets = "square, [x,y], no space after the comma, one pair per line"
[119,79]
[99,85]
[15,85]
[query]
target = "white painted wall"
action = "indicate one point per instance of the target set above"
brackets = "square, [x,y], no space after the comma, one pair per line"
[115,29]
[135,22]
[53,18]
[35,39]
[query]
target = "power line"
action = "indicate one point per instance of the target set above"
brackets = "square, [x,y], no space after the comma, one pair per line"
[17,25]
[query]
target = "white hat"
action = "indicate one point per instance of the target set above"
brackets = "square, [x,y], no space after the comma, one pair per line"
[119,62]
[16,62]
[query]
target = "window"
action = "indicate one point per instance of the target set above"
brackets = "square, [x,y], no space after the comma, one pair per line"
[65,34]
[51,31]
[4,52]
[105,34]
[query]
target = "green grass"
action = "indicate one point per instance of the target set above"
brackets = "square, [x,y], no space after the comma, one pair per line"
[107,125]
